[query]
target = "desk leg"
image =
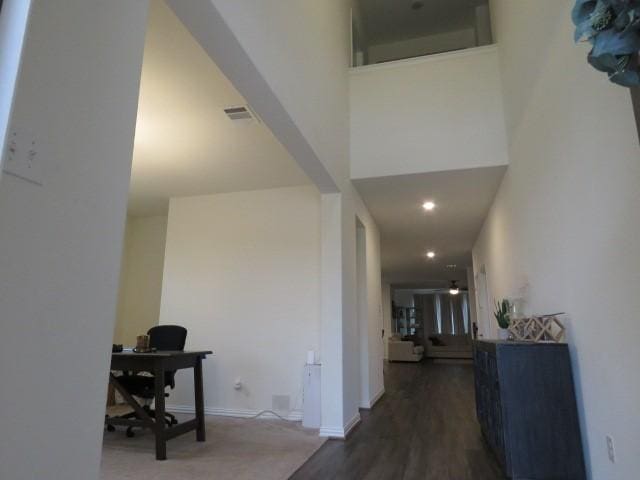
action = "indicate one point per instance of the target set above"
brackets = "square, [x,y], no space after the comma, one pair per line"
[199,395]
[159,429]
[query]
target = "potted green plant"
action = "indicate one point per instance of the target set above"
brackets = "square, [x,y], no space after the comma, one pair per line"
[501,313]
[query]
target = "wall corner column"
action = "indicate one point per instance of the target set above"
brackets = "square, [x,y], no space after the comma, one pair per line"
[331,315]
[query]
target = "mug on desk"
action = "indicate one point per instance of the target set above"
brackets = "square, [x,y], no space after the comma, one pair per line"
[143,343]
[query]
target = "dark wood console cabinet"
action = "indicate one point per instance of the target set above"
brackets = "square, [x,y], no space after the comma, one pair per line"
[526,406]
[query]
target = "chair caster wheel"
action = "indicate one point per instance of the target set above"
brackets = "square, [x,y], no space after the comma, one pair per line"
[111,428]
[130,433]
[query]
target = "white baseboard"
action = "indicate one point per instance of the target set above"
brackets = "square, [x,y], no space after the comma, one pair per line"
[377,397]
[340,432]
[351,424]
[294,415]
[332,432]
[368,405]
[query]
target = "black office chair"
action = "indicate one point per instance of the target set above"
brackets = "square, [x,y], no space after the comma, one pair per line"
[162,337]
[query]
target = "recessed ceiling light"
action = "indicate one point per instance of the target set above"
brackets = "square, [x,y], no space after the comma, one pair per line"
[431,254]
[428,206]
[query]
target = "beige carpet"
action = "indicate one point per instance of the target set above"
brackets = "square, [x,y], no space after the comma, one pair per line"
[235,449]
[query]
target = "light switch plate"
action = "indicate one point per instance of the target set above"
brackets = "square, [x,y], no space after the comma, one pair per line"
[611,449]
[23,157]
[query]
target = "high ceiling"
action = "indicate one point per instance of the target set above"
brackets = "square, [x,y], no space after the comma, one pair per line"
[462,198]
[185,144]
[387,21]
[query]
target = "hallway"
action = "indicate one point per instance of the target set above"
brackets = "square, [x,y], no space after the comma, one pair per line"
[424,428]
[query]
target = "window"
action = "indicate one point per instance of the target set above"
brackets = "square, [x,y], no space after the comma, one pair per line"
[388,31]
[465,312]
[438,314]
[452,307]
[450,314]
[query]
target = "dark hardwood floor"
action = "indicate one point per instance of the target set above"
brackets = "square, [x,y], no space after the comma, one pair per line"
[424,427]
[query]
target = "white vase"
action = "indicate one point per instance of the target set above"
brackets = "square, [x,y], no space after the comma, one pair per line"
[503,333]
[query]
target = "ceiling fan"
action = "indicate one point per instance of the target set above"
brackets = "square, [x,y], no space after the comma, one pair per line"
[453,288]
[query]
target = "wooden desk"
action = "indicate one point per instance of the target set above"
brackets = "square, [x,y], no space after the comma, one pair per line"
[157,363]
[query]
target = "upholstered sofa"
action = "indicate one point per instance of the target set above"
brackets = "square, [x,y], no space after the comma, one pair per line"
[449,346]
[404,350]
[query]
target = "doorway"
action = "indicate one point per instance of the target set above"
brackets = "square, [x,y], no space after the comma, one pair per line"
[363,317]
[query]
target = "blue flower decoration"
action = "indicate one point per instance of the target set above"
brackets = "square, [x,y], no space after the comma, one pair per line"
[613,28]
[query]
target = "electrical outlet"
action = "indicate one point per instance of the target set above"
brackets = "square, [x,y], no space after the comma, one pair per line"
[611,450]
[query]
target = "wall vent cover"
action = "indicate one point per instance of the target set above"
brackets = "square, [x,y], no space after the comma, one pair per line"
[239,113]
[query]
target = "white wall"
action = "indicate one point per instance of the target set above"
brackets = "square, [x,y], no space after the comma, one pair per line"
[415,47]
[242,274]
[301,51]
[473,315]
[331,304]
[398,111]
[363,312]
[564,225]
[370,315]
[61,242]
[140,277]
[341,343]
[351,379]
[353,208]
[387,318]
[289,60]
[375,316]
[310,79]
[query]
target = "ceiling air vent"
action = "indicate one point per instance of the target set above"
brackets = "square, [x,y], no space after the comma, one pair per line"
[239,113]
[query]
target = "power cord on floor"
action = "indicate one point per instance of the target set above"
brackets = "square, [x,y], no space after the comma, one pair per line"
[295,404]
[259,414]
